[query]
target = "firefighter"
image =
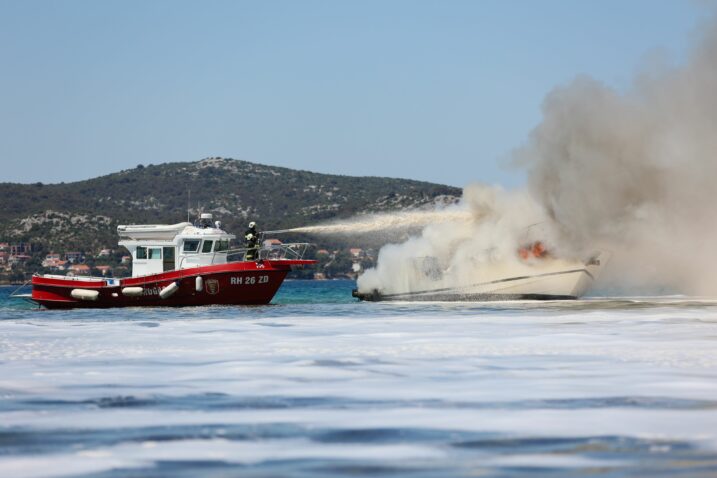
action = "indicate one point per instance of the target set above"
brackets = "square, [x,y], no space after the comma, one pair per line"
[252,240]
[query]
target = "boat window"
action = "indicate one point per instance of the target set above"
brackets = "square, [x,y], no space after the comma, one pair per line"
[221,246]
[207,246]
[154,253]
[141,252]
[191,245]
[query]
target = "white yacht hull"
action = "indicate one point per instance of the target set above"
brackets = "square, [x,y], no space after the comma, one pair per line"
[569,282]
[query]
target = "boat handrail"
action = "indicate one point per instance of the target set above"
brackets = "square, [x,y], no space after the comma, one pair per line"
[277,252]
[14,293]
[76,278]
[288,251]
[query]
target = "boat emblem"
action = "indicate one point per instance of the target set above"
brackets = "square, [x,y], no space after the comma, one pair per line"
[211,286]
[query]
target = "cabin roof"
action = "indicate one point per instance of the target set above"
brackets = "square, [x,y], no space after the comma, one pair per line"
[166,233]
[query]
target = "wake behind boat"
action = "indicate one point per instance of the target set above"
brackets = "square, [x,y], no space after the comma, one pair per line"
[178,265]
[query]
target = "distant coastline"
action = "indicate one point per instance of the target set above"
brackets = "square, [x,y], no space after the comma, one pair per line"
[70,228]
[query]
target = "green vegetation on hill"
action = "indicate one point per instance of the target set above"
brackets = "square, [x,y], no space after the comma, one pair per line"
[84,215]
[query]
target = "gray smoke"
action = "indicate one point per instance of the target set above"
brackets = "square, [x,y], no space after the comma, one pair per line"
[635,172]
[471,242]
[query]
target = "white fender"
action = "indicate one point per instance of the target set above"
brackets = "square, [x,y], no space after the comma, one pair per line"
[132,291]
[169,290]
[199,284]
[84,294]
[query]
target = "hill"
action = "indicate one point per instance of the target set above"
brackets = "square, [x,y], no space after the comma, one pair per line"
[83,215]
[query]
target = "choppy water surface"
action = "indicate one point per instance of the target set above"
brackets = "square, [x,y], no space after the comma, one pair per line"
[319,385]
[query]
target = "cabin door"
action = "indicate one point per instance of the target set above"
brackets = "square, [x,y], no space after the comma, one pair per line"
[168,259]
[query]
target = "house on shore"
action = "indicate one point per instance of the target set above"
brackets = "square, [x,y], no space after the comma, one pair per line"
[79,270]
[74,257]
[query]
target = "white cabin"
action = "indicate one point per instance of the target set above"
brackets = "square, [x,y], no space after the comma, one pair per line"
[157,248]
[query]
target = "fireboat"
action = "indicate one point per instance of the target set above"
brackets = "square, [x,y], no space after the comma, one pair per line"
[178,265]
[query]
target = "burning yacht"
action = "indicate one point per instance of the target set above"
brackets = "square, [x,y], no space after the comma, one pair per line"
[535,275]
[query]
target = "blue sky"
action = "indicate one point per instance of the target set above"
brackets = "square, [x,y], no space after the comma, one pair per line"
[432,90]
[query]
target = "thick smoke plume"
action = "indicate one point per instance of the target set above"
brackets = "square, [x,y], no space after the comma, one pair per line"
[634,173]
[473,242]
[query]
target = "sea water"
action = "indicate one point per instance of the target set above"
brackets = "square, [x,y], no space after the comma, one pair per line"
[319,385]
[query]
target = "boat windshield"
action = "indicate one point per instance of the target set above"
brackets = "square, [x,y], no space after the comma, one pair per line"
[191,245]
[207,246]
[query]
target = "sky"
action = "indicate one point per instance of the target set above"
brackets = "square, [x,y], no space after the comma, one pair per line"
[440,91]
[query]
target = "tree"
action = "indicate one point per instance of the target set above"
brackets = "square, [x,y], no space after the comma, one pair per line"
[340,265]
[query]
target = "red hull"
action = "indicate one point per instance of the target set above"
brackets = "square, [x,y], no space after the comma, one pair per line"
[235,283]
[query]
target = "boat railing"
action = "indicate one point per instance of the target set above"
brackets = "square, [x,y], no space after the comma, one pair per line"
[75,278]
[274,252]
[16,294]
[290,251]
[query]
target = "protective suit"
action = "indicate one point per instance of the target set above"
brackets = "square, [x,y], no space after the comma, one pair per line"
[252,240]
